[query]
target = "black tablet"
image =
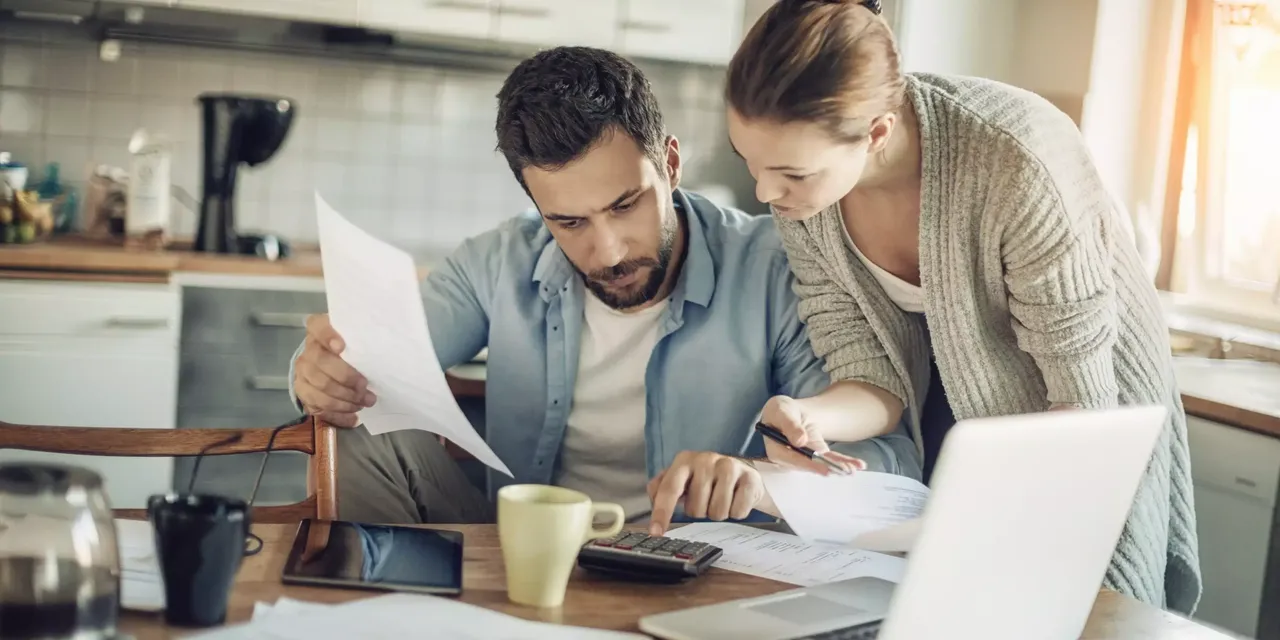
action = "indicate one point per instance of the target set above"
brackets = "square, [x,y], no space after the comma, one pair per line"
[379,557]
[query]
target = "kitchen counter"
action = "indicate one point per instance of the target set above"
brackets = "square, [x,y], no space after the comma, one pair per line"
[1241,393]
[78,258]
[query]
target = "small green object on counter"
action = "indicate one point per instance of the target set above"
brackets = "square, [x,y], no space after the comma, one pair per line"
[26,232]
[8,234]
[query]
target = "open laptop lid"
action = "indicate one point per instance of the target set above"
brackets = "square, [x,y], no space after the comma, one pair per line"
[1022,521]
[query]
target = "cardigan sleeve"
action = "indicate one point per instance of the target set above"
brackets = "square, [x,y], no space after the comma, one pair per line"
[838,330]
[1056,249]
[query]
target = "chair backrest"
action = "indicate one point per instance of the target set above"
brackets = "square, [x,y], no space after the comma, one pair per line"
[311,436]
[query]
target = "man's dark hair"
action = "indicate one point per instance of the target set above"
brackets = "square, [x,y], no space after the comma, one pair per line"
[559,103]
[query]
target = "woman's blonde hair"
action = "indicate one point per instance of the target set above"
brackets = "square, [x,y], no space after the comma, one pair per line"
[830,62]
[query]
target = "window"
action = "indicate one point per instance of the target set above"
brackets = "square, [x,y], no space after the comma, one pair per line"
[1228,219]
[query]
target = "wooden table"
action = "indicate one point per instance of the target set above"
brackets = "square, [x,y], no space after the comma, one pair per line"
[595,602]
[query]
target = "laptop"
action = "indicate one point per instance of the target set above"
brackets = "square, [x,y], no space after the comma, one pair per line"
[1021,524]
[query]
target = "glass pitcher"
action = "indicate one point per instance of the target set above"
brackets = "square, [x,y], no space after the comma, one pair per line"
[59,561]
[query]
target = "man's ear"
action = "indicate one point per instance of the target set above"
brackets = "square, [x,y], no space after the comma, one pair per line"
[881,129]
[673,161]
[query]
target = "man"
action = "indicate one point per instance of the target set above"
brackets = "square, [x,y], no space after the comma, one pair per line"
[634,330]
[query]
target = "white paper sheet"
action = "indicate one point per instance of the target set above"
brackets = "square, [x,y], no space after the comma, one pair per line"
[375,304]
[141,584]
[401,615]
[842,509]
[787,558]
[285,607]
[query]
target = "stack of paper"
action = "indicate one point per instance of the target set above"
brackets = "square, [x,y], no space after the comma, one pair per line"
[375,304]
[397,616]
[141,584]
[787,558]
[868,510]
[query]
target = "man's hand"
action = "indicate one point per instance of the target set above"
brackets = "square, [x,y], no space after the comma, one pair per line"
[710,485]
[788,416]
[327,386]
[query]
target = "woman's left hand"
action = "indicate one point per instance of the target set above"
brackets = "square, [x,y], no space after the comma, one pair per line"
[787,415]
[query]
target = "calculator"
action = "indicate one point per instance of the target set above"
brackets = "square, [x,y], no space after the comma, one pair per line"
[639,556]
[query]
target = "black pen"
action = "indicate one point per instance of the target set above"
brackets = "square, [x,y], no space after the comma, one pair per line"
[772,433]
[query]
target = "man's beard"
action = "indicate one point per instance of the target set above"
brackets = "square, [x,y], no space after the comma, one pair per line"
[631,297]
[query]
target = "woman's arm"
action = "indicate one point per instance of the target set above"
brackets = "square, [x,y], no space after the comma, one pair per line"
[1057,245]
[865,397]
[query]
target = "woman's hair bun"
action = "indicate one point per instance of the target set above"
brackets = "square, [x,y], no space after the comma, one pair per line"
[872,5]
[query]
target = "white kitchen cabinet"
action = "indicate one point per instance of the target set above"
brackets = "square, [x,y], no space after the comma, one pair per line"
[452,18]
[92,354]
[592,23]
[707,31]
[341,12]
[1236,473]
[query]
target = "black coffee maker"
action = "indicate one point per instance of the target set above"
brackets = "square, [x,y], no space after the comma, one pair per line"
[237,129]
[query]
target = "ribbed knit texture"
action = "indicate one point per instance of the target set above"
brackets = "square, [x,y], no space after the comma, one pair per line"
[1035,296]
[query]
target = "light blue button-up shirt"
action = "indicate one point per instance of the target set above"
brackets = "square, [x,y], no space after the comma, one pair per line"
[728,341]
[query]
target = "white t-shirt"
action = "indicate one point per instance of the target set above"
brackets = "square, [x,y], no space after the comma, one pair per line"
[603,454]
[907,296]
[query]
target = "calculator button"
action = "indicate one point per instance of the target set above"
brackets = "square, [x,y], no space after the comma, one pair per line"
[693,548]
[661,552]
[673,545]
[604,542]
[651,543]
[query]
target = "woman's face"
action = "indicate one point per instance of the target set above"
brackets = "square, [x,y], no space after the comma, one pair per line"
[798,168]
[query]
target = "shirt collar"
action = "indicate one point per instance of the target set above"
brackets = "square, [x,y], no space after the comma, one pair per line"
[697,280]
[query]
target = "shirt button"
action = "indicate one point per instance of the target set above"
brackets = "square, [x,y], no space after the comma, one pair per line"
[555,328]
[555,402]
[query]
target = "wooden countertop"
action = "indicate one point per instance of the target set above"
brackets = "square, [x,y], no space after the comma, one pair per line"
[80,258]
[597,602]
[1240,393]
[63,257]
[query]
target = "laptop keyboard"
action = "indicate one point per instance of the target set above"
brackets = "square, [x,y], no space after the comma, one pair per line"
[866,631]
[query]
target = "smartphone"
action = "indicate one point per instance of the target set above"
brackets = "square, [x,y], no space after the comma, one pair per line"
[377,557]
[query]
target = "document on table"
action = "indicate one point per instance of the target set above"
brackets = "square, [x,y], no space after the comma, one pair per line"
[141,584]
[396,616]
[866,509]
[787,558]
[375,304]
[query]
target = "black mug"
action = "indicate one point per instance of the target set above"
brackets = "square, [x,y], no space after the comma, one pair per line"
[200,542]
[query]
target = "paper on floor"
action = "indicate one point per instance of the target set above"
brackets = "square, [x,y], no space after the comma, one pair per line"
[375,304]
[787,558]
[141,584]
[864,509]
[401,615]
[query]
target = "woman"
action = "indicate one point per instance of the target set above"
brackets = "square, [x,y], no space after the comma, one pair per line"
[952,232]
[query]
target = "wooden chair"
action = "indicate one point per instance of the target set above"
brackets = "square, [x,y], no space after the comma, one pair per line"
[312,437]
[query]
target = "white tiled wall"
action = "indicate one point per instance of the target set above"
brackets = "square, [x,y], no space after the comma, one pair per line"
[406,151]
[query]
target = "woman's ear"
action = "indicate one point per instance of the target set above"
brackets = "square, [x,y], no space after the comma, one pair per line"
[673,161]
[881,130]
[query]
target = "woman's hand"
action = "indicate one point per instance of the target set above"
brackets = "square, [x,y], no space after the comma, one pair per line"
[787,415]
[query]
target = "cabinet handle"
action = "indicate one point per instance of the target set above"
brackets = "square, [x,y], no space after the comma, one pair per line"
[269,383]
[651,27]
[126,322]
[1245,482]
[277,319]
[525,12]
[458,4]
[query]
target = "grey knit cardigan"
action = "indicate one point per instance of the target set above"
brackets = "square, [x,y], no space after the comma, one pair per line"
[1035,295]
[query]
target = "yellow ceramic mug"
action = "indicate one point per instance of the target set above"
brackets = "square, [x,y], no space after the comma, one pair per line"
[541,529]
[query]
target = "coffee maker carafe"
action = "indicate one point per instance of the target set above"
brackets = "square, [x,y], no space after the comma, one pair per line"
[237,129]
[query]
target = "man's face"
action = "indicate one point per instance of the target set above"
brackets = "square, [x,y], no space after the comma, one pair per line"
[611,212]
